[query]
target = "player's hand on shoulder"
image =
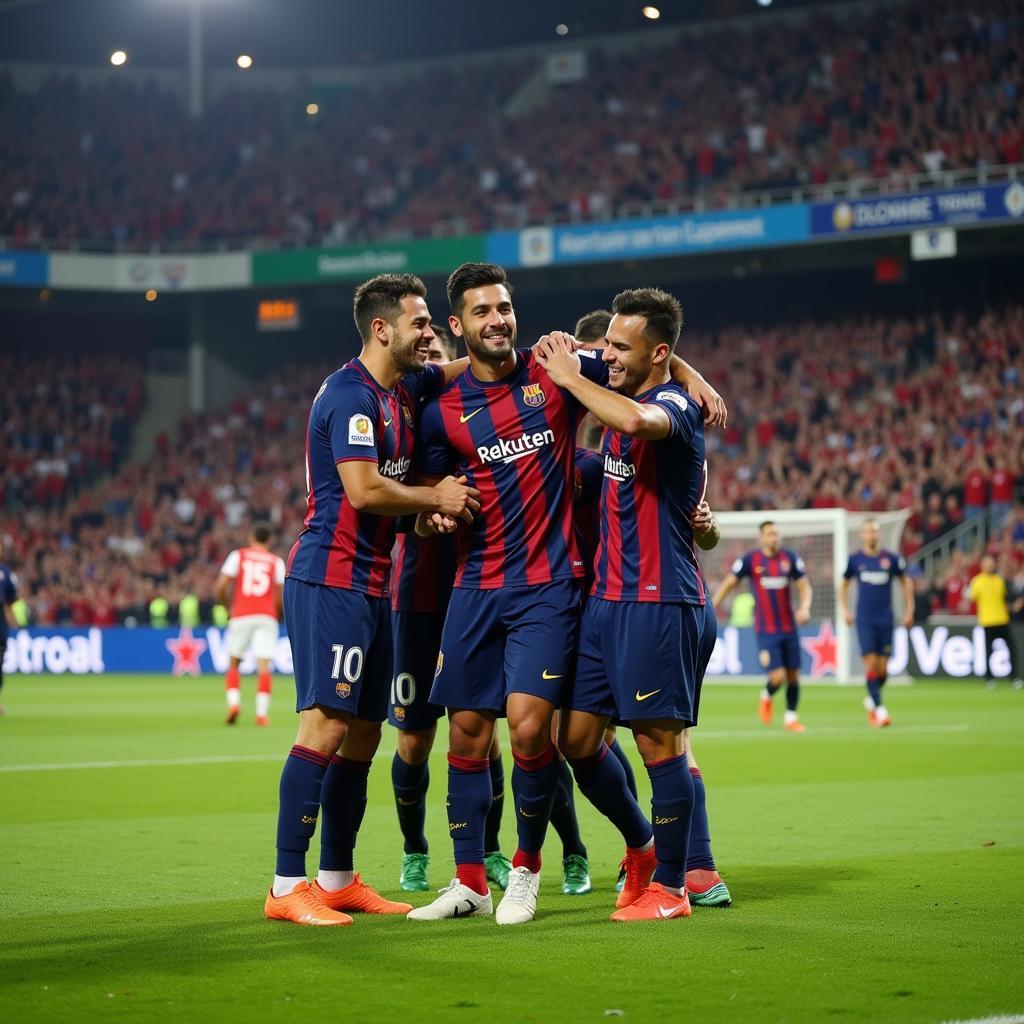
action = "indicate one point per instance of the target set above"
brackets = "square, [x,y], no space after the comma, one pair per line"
[712,405]
[556,352]
[456,499]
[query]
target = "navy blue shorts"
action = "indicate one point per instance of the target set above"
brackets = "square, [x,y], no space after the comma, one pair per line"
[341,648]
[642,661]
[778,650]
[874,638]
[497,642]
[417,641]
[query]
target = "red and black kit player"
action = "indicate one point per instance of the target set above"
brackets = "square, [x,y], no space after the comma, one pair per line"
[359,448]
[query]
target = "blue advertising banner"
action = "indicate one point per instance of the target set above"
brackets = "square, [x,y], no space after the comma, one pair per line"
[956,651]
[649,239]
[24,268]
[922,209]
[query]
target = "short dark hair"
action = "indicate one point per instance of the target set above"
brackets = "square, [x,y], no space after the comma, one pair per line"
[767,522]
[261,532]
[473,275]
[663,313]
[382,296]
[592,326]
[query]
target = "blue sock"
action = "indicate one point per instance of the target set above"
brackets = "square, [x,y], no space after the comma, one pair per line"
[563,814]
[616,748]
[603,782]
[469,796]
[772,688]
[698,853]
[492,827]
[672,807]
[874,684]
[299,793]
[410,782]
[343,799]
[534,782]
[792,696]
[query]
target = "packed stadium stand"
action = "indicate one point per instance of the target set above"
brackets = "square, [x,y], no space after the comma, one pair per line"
[893,93]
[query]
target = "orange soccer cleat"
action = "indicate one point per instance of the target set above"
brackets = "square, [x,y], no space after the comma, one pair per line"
[262,720]
[302,906]
[232,715]
[764,711]
[795,727]
[639,866]
[359,898]
[656,904]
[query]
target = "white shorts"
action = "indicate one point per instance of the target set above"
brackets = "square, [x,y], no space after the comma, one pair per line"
[257,631]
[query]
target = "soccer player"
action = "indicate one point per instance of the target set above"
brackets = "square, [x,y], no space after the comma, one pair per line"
[359,446]
[772,571]
[508,640]
[988,591]
[258,576]
[875,569]
[423,578]
[645,638]
[8,595]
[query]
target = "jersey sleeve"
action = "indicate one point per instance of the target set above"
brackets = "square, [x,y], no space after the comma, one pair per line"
[588,477]
[797,567]
[424,385]
[593,367]
[899,564]
[851,570]
[230,566]
[349,414]
[279,571]
[434,455]
[741,567]
[683,414]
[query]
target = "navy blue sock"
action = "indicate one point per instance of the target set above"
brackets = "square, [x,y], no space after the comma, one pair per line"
[492,827]
[410,782]
[534,782]
[469,796]
[792,696]
[672,807]
[874,683]
[563,814]
[343,799]
[698,853]
[603,782]
[772,688]
[299,791]
[616,748]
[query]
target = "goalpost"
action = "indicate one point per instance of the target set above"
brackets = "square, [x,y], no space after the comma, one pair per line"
[824,539]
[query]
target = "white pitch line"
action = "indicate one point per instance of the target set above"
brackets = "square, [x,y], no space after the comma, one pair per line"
[171,762]
[1014,1018]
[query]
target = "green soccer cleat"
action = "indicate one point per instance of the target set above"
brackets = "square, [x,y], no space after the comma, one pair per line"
[576,875]
[498,867]
[715,895]
[414,873]
[621,880]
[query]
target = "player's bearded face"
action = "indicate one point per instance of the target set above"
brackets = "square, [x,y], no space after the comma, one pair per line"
[488,323]
[409,337]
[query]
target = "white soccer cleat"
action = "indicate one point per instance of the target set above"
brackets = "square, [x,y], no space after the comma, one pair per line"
[455,900]
[519,904]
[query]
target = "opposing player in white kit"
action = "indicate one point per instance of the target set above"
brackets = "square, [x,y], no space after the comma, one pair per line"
[258,576]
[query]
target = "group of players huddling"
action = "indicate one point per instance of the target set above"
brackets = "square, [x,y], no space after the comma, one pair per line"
[473,463]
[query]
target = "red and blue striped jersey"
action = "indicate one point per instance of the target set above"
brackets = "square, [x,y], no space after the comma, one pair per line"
[354,419]
[650,490]
[424,573]
[587,482]
[514,439]
[874,575]
[771,577]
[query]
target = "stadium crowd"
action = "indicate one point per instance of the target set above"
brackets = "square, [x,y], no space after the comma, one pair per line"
[872,414]
[885,93]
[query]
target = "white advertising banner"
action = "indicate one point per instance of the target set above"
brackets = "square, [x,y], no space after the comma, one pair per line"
[131,273]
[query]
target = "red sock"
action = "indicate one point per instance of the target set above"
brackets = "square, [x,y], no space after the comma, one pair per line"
[531,861]
[231,678]
[473,875]
[264,683]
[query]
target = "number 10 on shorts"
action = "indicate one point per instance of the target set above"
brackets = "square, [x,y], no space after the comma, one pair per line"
[350,663]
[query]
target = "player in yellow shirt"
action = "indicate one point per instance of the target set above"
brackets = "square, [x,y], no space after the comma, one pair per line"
[988,591]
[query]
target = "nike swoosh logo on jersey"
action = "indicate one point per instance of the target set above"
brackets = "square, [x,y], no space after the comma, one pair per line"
[644,696]
[462,419]
[387,423]
[548,675]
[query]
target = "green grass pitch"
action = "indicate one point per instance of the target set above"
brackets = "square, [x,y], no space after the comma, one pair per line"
[877,875]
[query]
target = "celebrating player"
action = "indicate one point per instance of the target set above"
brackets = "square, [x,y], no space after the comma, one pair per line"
[424,573]
[645,621]
[258,575]
[508,640]
[772,569]
[875,569]
[359,446]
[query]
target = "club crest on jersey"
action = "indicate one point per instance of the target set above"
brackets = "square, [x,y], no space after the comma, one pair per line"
[885,563]
[784,565]
[343,689]
[533,395]
[407,415]
[360,430]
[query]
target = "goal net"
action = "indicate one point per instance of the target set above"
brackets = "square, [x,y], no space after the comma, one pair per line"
[824,539]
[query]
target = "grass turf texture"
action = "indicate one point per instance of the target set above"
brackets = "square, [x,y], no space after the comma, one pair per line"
[862,865]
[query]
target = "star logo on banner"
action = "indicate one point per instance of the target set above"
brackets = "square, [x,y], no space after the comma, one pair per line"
[186,650]
[823,651]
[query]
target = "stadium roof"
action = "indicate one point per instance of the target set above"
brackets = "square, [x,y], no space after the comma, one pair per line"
[289,33]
